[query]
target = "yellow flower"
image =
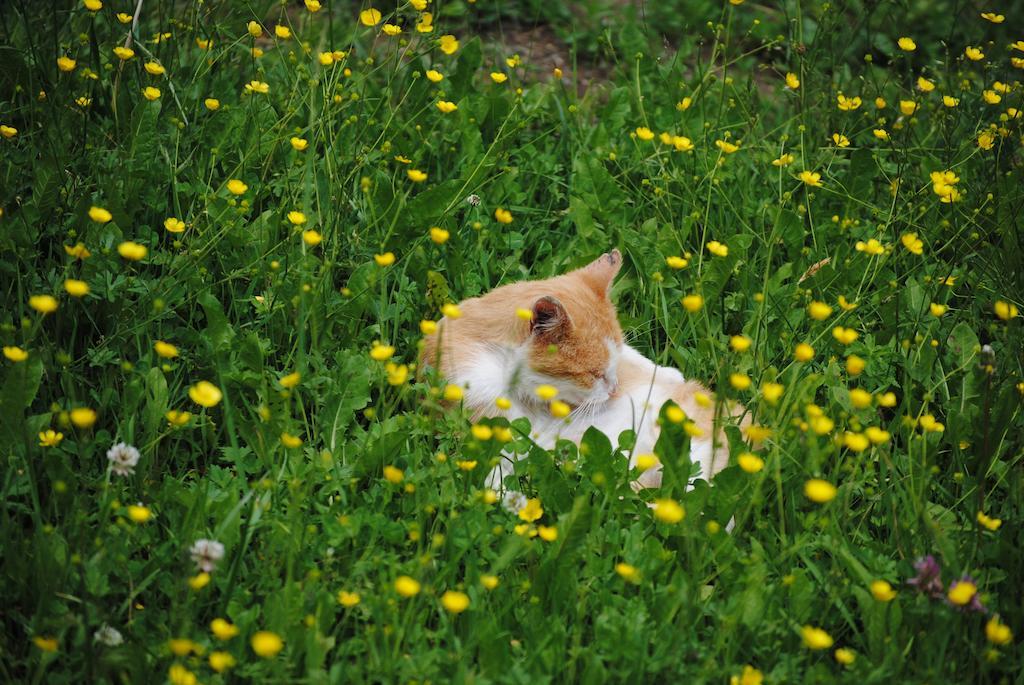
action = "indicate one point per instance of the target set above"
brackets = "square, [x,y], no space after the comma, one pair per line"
[257,87]
[76,288]
[860,398]
[503,403]
[449,44]
[740,381]
[950,101]
[393,474]
[397,373]
[299,144]
[811,178]
[668,511]
[684,104]
[498,77]
[848,104]
[740,343]
[139,513]
[282,32]
[124,53]
[154,69]
[8,131]
[83,417]
[1005,310]
[882,591]
[872,247]
[531,511]
[912,243]
[290,441]
[998,633]
[908,107]
[44,304]
[962,593]
[391,29]
[560,409]
[792,81]
[426,23]
[93,5]
[930,425]
[845,656]
[176,418]
[503,216]
[993,17]
[66,64]
[266,644]
[644,133]
[547,533]
[370,17]
[446,107]
[100,215]
[428,327]
[381,352]
[254,29]
[311,237]
[844,335]
[985,520]
[406,586]
[991,97]
[907,44]
[212,104]
[924,85]
[726,147]
[296,218]
[348,599]
[784,160]
[151,93]
[165,349]
[439,235]
[455,602]
[771,392]
[628,572]
[718,249]
[986,140]
[481,432]
[452,393]
[434,76]
[973,54]
[876,435]
[887,399]
[199,581]
[15,354]
[937,309]
[326,58]
[881,134]
[205,394]
[682,143]
[546,392]
[313,6]
[221,661]
[416,176]
[132,251]
[174,225]
[840,140]
[489,581]
[803,352]
[819,491]
[49,437]
[47,644]
[819,311]
[749,462]
[693,303]
[815,638]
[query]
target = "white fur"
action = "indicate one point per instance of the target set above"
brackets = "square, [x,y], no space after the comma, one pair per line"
[494,372]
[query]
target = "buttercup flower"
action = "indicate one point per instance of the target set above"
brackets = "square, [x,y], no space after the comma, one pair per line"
[963,593]
[997,632]
[406,586]
[83,417]
[882,591]
[792,81]
[50,438]
[531,511]
[811,178]
[907,44]
[503,216]
[455,602]
[205,394]
[668,511]
[449,44]
[370,17]
[815,638]
[266,644]
[819,491]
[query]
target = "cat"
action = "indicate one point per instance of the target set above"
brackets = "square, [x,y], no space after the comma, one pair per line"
[571,340]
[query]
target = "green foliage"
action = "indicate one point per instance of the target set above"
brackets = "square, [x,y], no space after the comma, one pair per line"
[322,470]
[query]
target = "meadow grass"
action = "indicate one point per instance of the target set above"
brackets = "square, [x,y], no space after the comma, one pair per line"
[220,245]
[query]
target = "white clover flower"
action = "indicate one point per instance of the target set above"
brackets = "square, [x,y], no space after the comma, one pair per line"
[473,200]
[108,635]
[513,501]
[206,554]
[123,458]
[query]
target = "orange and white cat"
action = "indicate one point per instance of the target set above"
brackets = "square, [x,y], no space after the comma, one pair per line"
[573,342]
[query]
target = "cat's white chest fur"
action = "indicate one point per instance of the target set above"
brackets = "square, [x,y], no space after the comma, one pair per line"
[500,372]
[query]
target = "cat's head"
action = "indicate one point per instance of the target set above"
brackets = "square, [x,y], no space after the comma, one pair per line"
[575,339]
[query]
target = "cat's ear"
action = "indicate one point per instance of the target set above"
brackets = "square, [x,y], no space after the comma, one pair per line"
[600,273]
[550,321]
